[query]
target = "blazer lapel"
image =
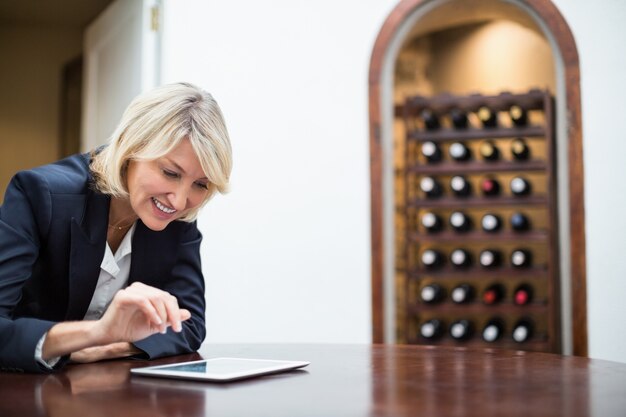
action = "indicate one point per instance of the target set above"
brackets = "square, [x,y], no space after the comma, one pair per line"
[142,268]
[154,254]
[88,239]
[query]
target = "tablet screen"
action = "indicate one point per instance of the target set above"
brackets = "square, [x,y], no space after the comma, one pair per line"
[220,369]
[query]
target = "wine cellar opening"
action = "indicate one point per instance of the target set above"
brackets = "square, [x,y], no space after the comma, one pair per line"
[477,251]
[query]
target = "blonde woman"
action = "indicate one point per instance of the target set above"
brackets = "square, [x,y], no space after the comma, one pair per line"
[99,252]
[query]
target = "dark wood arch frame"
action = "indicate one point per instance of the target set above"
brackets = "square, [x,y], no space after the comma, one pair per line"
[559,29]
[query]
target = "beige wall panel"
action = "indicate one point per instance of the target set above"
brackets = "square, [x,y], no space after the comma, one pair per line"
[30,80]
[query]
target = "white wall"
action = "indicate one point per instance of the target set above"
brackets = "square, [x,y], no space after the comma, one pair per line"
[600,35]
[287,253]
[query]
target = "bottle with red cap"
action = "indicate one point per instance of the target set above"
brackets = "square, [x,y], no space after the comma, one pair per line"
[493,294]
[490,187]
[522,295]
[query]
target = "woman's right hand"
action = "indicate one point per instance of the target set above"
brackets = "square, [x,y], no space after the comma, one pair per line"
[135,313]
[139,311]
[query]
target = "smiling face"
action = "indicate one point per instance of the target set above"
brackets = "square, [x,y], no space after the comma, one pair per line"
[167,188]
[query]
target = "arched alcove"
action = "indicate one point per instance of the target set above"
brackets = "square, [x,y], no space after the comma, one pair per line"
[446,24]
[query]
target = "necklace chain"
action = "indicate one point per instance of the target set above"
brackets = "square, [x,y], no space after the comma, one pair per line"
[120,227]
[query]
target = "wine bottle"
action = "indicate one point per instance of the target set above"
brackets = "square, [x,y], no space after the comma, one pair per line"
[493,330]
[490,258]
[431,121]
[432,293]
[491,223]
[462,293]
[519,222]
[460,186]
[523,330]
[521,258]
[431,222]
[459,152]
[461,329]
[459,118]
[487,117]
[460,258]
[431,187]
[518,115]
[431,152]
[493,294]
[432,329]
[519,186]
[490,187]
[520,150]
[488,151]
[432,258]
[522,295]
[460,222]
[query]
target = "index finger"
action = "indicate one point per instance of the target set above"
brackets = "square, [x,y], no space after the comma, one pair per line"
[173,312]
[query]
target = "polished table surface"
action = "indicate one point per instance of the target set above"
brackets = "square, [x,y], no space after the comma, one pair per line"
[342,380]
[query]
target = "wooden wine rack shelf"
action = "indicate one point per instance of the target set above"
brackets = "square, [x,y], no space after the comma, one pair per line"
[540,306]
[448,273]
[474,167]
[478,236]
[453,134]
[448,202]
[543,309]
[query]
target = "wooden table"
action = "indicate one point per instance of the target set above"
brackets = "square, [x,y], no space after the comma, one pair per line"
[342,380]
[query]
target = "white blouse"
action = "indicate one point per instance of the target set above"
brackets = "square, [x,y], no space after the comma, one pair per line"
[114,272]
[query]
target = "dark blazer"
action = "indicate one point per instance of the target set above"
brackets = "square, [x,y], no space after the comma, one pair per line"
[53,229]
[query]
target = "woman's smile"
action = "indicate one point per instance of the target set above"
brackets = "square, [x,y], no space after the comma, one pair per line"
[163,207]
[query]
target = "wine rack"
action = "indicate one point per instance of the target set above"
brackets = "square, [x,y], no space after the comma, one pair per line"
[490,158]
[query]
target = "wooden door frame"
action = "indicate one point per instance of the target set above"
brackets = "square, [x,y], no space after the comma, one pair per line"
[564,39]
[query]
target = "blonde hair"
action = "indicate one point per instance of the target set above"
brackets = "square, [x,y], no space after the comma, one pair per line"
[156,122]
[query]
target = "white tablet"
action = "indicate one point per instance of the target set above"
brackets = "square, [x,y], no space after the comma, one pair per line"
[219,369]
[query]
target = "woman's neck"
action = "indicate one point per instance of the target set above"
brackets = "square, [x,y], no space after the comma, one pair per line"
[121,214]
